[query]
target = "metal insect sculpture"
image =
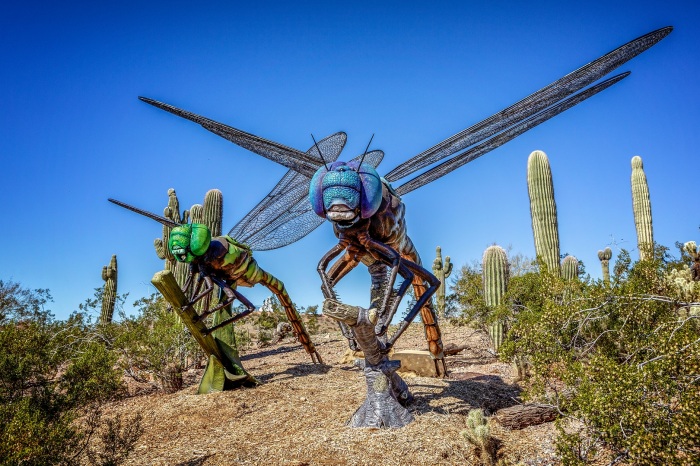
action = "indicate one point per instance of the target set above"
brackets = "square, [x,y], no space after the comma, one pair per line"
[227,261]
[367,213]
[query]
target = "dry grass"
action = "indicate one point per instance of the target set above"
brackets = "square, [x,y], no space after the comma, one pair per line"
[298,415]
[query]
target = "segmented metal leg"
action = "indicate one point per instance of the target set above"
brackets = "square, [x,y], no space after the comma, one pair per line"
[329,278]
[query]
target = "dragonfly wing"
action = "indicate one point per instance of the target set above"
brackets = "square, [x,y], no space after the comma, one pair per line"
[276,207]
[373,158]
[511,133]
[297,223]
[534,103]
[286,156]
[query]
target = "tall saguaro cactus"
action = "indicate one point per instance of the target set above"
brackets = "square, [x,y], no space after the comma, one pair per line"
[641,206]
[442,271]
[109,295]
[211,215]
[543,210]
[495,275]
[213,211]
[569,268]
[604,257]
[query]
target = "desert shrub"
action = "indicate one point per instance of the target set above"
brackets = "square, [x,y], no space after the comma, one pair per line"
[312,324]
[116,440]
[467,302]
[468,295]
[271,313]
[154,346]
[242,336]
[621,361]
[55,377]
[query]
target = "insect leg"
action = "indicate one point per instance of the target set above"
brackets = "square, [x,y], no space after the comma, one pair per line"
[249,308]
[337,271]
[427,313]
[392,258]
[326,283]
[207,289]
[230,295]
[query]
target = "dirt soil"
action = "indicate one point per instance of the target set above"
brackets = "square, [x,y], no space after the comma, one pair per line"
[298,415]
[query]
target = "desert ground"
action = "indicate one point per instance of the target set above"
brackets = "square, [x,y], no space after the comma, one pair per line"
[298,415]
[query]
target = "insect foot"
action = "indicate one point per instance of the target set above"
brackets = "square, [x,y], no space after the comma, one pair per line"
[387,392]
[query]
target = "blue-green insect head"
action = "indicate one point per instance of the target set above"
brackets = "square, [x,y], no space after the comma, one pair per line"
[189,241]
[345,192]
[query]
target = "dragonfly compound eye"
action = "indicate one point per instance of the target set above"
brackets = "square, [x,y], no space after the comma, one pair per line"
[356,188]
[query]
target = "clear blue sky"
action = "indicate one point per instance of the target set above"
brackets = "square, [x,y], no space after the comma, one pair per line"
[73,132]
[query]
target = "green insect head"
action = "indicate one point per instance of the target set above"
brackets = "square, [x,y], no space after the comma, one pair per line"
[189,241]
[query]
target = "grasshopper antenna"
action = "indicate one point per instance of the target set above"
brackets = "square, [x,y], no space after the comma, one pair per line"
[319,152]
[363,155]
[162,220]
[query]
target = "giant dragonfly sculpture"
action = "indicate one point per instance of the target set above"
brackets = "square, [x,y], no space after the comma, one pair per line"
[227,261]
[367,212]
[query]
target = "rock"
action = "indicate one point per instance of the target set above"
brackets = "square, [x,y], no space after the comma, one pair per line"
[420,362]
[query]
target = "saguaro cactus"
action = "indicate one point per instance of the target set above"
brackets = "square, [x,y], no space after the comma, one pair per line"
[495,276]
[605,257]
[211,215]
[543,210]
[172,211]
[569,268]
[442,271]
[641,206]
[109,295]
[213,211]
[197,213]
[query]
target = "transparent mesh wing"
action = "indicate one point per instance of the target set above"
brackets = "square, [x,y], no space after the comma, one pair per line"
[511,133]
[288,218]
[286,156]
[286,193]
[284,197]
[534,103]
[298,222]
[373,158]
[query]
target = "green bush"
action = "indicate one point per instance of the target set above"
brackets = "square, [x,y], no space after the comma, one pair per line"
[622,362]
[154,346]
[312,324]
[54,379]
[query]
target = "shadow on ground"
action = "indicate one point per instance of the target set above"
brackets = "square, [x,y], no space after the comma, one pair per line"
[465,391]
[195,461]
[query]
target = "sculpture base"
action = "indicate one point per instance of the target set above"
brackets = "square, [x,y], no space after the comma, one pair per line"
[387,393]
[383,408]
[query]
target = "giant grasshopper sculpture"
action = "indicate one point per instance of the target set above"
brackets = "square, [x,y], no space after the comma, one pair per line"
[367,213]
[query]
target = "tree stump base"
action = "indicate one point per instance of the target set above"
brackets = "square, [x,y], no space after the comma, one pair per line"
[387,392]
[382,407]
